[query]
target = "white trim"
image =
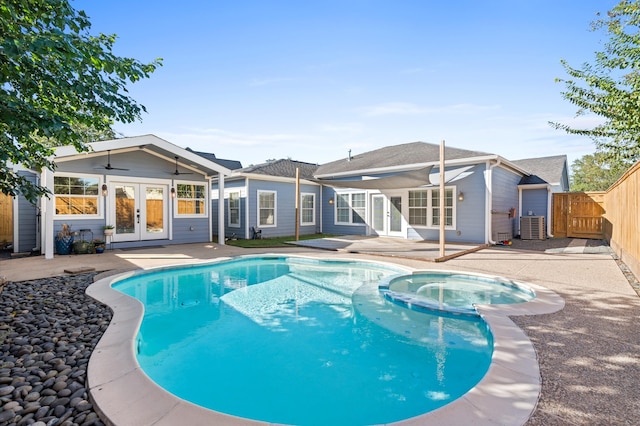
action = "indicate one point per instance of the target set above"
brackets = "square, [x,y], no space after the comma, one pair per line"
[351,192]
[99,196]
[234,191]
[313,222]
[275,208]
[454,208]
[207,200]
[15,240]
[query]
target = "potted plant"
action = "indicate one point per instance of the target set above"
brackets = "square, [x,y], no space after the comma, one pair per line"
[108,230]
[64,240]
[99,245]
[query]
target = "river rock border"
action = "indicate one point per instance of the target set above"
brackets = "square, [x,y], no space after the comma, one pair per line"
[48,330]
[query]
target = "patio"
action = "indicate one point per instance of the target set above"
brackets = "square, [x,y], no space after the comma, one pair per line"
[588,352]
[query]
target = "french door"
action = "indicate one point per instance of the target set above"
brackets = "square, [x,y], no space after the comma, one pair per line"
[386,215]
[139,211]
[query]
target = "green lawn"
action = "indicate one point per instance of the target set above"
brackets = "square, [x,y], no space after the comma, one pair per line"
[273,242]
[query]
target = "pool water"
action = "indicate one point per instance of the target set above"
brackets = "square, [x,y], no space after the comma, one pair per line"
[453,292]
[299,341]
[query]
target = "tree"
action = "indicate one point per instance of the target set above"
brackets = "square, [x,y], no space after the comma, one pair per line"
[57,83]
[594,173]
[610,88]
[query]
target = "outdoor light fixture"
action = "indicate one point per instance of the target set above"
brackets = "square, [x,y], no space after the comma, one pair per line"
[460,196]
[105,190]
[173,192]
[330,200]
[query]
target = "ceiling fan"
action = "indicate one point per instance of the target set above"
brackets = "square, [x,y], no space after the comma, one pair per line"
[178,173]
[108,166]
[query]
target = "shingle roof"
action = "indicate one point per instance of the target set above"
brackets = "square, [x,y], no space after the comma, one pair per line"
[397,155]
[282,168]
[229,164]
[543,169]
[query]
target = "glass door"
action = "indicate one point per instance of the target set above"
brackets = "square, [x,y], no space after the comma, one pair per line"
[140,211]
[378,214]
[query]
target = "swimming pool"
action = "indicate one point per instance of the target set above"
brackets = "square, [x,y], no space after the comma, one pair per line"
[299,341]
[124,395]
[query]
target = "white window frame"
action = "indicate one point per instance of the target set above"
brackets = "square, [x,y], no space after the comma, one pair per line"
[207,200]
[230,224]
[430,207]
[275,209]
[100,206]
[352,210]
[303,209]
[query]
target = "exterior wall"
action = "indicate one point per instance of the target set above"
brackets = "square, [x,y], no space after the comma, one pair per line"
[237,185]
[535,201]
[28,220]
[141,166]
[504,197]
[329,225]
[285,207]
[469,213]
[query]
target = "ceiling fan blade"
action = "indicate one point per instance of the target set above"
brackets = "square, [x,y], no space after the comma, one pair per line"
[178,173]
[108,166]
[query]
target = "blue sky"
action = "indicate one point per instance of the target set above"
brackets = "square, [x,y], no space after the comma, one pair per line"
[309,80]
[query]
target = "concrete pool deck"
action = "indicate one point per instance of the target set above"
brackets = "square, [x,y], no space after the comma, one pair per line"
[587,352]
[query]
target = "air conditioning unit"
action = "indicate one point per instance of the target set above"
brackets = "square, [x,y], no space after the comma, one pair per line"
[532,228]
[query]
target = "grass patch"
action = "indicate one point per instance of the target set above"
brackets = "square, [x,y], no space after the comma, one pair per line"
[274,242]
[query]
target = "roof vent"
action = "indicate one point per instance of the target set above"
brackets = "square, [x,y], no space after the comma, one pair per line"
[349,158]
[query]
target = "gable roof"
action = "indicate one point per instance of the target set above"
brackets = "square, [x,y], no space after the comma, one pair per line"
[282,168]
[147,143]
[394,156]
[543,169]
[229,164]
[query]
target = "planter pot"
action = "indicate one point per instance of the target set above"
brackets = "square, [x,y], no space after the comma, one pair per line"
[108,232]
[82,247]
[64,244]
[99,249]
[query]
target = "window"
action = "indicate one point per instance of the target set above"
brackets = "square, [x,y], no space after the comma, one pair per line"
[308,209]
[77,196]
[424,207]
[418,203]
[234,209]
[448,207]
[351,208]
[191,199]
[266,208]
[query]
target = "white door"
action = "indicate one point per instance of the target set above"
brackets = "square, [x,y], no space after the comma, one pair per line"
[140,211]
[386,215]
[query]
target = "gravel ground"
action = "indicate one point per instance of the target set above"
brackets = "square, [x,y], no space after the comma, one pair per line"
[48,329]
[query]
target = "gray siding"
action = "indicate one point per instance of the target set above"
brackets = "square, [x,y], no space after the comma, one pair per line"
[229,231]
[505,197]
[329,217]
[535,201]
[192,230]
[285,207]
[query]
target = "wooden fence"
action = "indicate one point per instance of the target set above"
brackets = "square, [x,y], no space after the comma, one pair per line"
[622,218]
[578,215]
[6,219]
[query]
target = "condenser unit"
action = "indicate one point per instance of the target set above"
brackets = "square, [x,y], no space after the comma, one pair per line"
[532,228]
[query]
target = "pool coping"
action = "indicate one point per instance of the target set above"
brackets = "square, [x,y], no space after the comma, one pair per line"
[124,395]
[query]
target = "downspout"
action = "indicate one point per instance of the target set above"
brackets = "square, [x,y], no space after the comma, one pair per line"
[221,209]
[246,208]
[519,210]
[549,211]
[489,201]
[321,206]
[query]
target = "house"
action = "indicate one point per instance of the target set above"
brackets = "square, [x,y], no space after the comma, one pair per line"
[394,191]
[262,198]
[152,191]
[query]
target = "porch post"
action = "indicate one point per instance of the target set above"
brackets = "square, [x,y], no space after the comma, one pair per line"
[442,199]
[46,218]
[220,208]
